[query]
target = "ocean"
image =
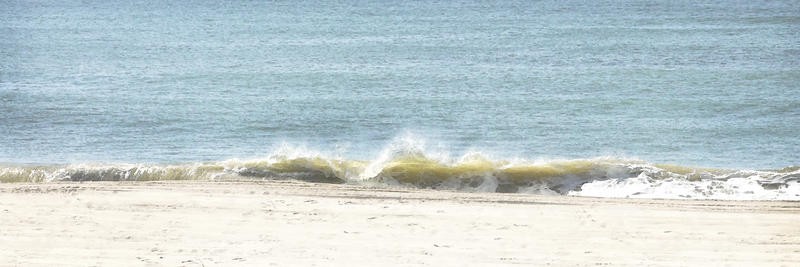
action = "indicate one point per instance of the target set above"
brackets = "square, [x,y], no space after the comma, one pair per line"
[664,99]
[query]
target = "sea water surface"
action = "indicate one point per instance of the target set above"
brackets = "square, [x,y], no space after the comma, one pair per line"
[686,99]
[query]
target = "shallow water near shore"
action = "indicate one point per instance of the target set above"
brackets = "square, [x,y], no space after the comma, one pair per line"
[683,99]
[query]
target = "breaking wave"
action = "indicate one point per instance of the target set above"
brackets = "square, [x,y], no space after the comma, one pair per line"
[405,162]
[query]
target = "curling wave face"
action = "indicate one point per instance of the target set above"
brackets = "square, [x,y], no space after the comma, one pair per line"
[410,166]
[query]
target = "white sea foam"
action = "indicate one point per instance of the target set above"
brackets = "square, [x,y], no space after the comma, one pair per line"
[735,188]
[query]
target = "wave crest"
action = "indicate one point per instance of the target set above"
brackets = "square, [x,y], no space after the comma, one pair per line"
[403,166]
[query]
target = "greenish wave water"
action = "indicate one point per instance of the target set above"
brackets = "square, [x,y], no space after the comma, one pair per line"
[409,166]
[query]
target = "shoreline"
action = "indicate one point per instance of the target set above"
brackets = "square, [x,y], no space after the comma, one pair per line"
[289,223]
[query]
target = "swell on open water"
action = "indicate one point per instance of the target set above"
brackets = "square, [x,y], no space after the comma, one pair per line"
[695,99]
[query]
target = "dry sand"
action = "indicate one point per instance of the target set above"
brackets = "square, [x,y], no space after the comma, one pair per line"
[285,223]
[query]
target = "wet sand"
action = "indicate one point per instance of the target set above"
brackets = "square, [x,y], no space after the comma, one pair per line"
[286,223]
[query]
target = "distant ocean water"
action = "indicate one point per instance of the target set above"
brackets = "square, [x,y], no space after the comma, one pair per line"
[586,97]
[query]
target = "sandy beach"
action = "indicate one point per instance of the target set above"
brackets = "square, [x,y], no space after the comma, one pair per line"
[287,223]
